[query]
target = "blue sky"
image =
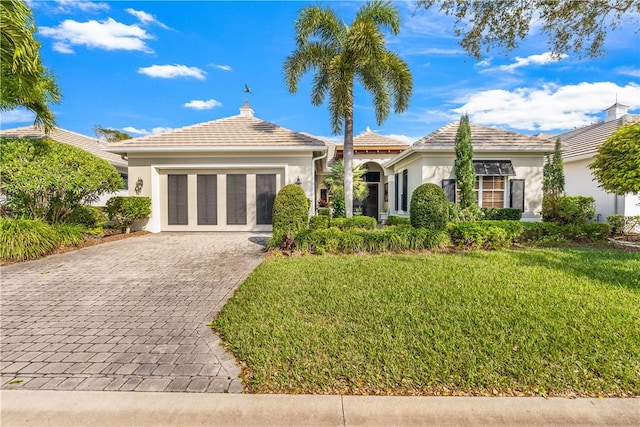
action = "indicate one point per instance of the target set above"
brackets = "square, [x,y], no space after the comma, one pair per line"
[148,66]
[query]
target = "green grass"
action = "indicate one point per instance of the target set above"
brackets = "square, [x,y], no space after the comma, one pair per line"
[531,322]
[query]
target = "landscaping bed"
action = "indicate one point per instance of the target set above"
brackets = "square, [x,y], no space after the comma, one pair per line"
[530,322]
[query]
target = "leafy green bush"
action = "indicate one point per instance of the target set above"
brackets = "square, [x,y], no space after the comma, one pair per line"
[365,222]
[128,209]
[499,214]
[324,211]
[44,179]
[290,209]
[454,212]
[337,203]
[540,232]
[397,220]
[70,234]
[592,232]
[319,222]
[576,210]
[24,239]
[467,235]
[92,217]
[334,240]
[623,225]
[470,213]
[429,207]
[484,234]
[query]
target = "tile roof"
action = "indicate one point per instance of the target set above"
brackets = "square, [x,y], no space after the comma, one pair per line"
[586,140]
[371,139]
[480,136]
[234,131]
[91,145]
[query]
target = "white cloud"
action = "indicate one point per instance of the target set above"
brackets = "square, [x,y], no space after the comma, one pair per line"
[431,51]
[197,104]
[107,35]
[629,71]
[221,67]
[541,59]
[549,107]
[145,18]
[404,138]
[68,6]
[173,71]
[17,116]
[135,131]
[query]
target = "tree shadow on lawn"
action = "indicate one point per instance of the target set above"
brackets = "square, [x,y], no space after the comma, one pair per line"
[607,266]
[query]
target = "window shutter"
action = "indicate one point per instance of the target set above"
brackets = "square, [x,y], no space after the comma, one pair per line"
[405,190]
[449,187]
[397,191]
[236,199]
[207,200]
[265,195]
[516,187]
[178,203]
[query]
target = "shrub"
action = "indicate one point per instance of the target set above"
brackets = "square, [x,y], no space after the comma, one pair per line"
[429,207]
[128,209]
[469,214]
[397,220]
[576,210]
[44,179]
[623,225]
[454,212]
[24,239]
[540,232]
[70,234]
[592,232]
[500,214]
[319,222]
[324,211]
[484,234]
[467,235]
[337,202]
[290,209]
[366,222]
[92,217]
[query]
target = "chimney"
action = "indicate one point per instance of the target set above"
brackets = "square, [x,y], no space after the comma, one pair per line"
[615,112]
[246,110]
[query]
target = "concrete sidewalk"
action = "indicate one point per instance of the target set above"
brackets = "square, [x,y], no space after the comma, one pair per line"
[76,408]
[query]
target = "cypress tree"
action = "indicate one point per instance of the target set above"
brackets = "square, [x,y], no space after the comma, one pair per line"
[552,183]
[465,172]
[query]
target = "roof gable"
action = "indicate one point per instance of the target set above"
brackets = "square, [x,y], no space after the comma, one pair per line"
[585,141]
[88,144]
[370,139]
[480,136]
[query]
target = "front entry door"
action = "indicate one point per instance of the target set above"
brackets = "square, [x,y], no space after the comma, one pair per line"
[370,205]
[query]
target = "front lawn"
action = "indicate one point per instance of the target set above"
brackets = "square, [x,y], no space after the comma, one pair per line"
[558,322]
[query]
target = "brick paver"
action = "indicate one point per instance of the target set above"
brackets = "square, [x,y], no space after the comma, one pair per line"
[126,315]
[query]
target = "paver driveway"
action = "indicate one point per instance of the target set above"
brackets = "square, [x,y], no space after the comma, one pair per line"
[125,315]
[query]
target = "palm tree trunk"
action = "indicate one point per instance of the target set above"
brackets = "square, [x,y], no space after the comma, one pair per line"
[348,163]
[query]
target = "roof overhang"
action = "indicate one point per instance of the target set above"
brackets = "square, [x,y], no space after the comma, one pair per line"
[483,149]
[125,149]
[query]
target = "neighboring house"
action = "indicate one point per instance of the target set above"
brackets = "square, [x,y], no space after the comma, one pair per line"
[88,144]
[371,150]
[508,168]
[220,175]
[580,148]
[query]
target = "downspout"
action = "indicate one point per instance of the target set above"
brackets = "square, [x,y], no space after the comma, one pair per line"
[313,167]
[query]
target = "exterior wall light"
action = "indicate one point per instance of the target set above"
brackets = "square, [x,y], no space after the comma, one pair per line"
[139,185]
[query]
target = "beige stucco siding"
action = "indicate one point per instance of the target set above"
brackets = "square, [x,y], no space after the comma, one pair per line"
[154,170]
[434,167]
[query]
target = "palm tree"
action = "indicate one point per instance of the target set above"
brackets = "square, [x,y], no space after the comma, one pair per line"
[341,54]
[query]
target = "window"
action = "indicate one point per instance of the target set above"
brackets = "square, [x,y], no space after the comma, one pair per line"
[207,200]
[265,195]
[405,190]
[397,191]
[236,199]
[177,203]
[489,191]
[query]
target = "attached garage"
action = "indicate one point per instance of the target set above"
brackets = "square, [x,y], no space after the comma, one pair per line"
[221,175]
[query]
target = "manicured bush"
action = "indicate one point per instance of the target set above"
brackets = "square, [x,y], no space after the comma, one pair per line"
[397,220]
[470,214]
[467,235]
[623,225]
[290,209]
[429,207]
[365,222]
[324,211]
[70,234]
[576,210]
[24,239]
[484,234]
[127,210]
[540,232]
[318,222]
[92,217]
[499,214]
[334,240]
[592,232]
[337,203]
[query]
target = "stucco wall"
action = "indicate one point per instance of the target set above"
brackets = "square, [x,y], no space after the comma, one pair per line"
[154,170]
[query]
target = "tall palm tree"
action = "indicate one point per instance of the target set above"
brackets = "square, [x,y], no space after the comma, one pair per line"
[341,54]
